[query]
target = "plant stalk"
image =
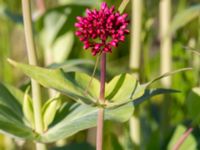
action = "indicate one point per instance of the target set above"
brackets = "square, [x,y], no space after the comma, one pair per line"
[165,40]
[100,120]
[135,61]
[32,58]
[166,61]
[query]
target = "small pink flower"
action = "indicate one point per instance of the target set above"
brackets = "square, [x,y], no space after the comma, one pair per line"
[101,30]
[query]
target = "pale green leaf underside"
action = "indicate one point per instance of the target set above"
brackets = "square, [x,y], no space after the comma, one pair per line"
[184,17]
[189,144]
[121,89]
[83,117]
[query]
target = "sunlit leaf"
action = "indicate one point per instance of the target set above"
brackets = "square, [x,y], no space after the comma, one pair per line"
[49,110]
[58,80]
[28,108]
[189,144]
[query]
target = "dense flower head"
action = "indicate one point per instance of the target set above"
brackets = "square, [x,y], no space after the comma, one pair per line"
[101,30]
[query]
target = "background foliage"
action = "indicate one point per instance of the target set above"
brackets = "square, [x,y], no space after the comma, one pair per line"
[56,43]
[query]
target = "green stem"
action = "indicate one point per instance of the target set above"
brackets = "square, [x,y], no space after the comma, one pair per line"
[36,93]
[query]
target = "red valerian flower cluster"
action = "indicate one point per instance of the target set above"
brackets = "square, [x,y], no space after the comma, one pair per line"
[101,30]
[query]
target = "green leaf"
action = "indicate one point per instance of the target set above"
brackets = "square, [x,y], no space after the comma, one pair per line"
[193,105]
[11,115]
[123,89]
[58,43]
[49,110]
[11,98]
[28,108]
[184,17]
[16,130]
[190,142]
[73,65]
[80,117]
[92,89]
[58,80]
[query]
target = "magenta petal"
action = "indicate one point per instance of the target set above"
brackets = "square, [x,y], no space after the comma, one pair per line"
[104,5]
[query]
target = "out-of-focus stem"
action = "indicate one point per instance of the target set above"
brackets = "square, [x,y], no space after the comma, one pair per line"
[165,40]
[136,25]
[36,95]
[135,55]
[165,58]
[182,139]
[100,120]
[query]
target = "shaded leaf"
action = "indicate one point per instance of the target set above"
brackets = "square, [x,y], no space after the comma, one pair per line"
[184,17]
[193,105]
[11,98]
[56,79]
[15,130]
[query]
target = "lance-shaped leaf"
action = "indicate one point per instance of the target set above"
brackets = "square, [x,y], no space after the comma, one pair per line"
[11,116]
[58,80]
[28,108]
[16,130]
[189,144]
[79,117]
[184,17]
[123,89]
[11,97]
[49,110]
[193,105]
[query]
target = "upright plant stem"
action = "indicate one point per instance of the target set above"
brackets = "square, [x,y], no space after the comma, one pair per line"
[135,55]
[165,48]
[136,27]
[165,40]
[100,120]
[36,94]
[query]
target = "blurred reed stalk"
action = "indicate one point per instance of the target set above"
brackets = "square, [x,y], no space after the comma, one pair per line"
[135,58]
[166,61]
[165,40]
[32,57]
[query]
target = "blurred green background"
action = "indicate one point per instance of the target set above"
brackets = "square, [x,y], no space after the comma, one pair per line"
[161,123]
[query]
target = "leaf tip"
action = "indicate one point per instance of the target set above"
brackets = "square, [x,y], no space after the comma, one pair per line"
[12,62]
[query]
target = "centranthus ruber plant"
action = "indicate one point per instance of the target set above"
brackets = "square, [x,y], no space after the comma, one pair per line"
[100,31]
[56,119]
